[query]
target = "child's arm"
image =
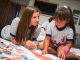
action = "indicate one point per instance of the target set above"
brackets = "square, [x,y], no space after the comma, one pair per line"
[46,45]
[69,41]
[42,35]
[69,44]
[62,50]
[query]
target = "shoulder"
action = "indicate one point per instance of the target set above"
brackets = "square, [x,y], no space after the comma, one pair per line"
[14,25]
[69,30]
[45,23]
[52,24]
[17,19]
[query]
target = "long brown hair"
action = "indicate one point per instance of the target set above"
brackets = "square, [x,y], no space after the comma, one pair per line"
[23,27]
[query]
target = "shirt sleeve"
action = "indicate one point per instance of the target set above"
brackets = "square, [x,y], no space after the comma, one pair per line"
[70,34]
[5,32]
[44,25]
[48,30]
[14,26]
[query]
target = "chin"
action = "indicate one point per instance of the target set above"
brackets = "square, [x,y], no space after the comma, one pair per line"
[59,26]
[35,25]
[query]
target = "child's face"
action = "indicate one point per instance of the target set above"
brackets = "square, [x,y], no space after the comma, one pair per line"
[60,23]
[35,19]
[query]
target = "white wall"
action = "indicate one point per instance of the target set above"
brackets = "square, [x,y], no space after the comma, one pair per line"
[74,4]
[43,18]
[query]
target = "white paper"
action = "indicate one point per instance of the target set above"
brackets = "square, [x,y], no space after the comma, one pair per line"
[75,51]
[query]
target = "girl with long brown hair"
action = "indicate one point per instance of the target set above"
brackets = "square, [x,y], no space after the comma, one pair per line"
[24,27]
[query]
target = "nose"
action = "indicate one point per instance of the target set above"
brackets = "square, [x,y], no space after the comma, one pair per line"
[59,22]
[37,19]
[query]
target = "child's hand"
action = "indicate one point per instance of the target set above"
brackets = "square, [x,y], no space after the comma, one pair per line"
[44,51]
[29,44]
[61,53]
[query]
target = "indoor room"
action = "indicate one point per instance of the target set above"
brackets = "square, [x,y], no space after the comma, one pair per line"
[20,18]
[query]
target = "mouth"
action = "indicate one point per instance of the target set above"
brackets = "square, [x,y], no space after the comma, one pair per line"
[36,23]
[59,26]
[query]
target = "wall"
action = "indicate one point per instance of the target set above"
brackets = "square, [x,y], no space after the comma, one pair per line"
[7,13]
[74,4]
[43,18]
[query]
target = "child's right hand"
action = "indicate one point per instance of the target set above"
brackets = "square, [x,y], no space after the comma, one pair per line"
[44,51]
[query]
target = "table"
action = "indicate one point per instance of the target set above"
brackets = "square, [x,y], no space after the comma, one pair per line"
[10,51]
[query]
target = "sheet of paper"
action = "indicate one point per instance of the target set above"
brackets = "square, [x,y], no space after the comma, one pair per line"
[53,57]
[29,53]
[75,51]
[18,50]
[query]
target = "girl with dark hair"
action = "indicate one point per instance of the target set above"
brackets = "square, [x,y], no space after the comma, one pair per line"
[24,27]
[60,34]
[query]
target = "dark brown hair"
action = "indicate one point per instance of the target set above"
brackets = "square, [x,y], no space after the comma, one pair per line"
[65,13]
[51,18]
[23,27]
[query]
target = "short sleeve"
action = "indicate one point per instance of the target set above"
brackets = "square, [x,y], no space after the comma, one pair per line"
[5,32]
[14,26]
[44,25]
[48,30]
[70,34]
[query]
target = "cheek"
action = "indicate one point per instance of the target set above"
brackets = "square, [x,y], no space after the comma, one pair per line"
[56,24]
[34,22]
[64,24]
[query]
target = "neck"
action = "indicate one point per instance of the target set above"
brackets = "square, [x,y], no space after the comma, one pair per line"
[60,29]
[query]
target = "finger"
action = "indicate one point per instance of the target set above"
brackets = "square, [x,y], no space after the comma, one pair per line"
[32,44]
[28,45]
[63,55]
[44,52]
[59,53]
